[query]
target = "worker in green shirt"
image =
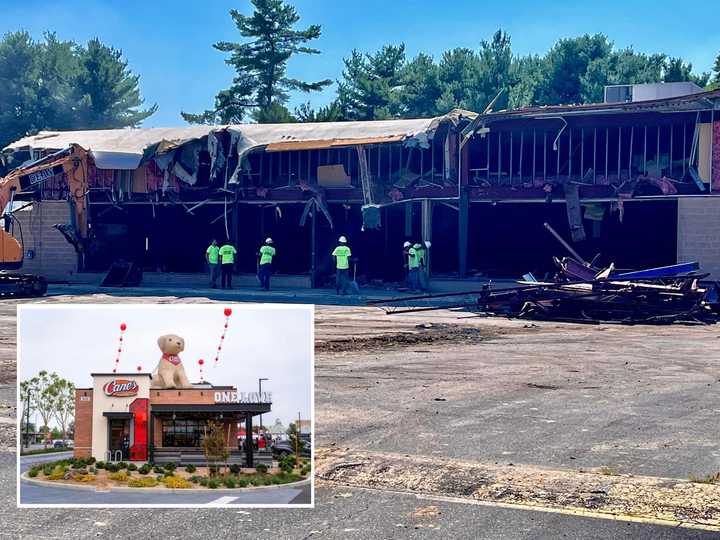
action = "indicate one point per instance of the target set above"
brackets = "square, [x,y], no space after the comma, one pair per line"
[227,262]
[212,257]
[422,253]
[342,255]
[413,267]
[266,254]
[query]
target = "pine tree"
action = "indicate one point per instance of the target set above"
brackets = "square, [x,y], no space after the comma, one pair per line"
[261,86]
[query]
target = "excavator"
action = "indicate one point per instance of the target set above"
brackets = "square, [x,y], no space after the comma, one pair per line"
[24,184]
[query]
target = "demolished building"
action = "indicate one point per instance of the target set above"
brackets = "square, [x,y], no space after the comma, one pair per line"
[636,182]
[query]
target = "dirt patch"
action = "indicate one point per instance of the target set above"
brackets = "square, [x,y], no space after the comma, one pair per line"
[422,334]
[673,500]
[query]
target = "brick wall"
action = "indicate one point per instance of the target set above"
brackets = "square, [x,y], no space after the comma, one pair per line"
[698,238]
[83,422]
[185,397]
[54,257]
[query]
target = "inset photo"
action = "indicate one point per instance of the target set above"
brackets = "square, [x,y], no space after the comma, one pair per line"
[165,405]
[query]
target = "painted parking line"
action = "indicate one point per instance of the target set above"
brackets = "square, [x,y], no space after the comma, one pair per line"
[222,500]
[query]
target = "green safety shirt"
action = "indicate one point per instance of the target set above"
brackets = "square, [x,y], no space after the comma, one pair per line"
[266,254]
[227,254]
[420,253]
[413,259]
[342,256]
[213,254]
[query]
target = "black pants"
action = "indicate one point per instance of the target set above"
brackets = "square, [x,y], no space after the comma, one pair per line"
[264,273]
[226,281]
[342,280]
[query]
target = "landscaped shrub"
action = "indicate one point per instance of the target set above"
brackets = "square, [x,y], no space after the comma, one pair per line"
[100,465]
[213,469]
[242,482]
[229,482]
[85,478]
[305,470]
[170,467]
[235,468]
[132,467]
[122,465]
[90,460]
[32,473]
[142,482]
[158,469]
[120,476]
[261,468]
[111,467]
[58,473]
[176,482]
[47,469]
[169,473]
[213,483]
[190,468]
[145,469]
[195,479]
[204,481]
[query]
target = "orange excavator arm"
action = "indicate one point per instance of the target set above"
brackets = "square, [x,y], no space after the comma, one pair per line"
[72,161]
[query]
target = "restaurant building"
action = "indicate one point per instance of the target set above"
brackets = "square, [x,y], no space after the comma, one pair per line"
[123,418]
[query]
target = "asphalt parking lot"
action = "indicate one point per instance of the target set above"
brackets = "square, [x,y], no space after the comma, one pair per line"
[632,402]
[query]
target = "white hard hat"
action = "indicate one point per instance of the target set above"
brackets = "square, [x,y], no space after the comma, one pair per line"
[342,240]
[407,244]
[427,244]
[268,240]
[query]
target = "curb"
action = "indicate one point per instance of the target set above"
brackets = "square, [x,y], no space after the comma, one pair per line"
[123,489]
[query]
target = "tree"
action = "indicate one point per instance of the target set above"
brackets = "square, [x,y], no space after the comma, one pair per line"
[63,392]
[715,81]
[294,437]
[567,62]
[261,85]
[372,84]
[54,84]
[676,70]
[42,396]
[328,113]
[214,447]
[420,87]
[105,91]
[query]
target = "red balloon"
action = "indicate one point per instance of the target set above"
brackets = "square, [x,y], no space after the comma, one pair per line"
[228,311]
[139,368]
[123,327]
[201,361]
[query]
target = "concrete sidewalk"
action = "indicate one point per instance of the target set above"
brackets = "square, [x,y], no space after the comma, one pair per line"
[288,295]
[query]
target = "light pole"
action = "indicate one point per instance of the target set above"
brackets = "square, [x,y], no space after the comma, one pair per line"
[260,381]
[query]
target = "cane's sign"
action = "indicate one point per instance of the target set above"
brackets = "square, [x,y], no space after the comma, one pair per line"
[121,388]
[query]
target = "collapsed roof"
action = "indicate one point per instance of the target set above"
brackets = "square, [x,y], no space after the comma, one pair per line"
[125,148]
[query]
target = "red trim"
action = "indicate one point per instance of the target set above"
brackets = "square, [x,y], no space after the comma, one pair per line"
[139,449]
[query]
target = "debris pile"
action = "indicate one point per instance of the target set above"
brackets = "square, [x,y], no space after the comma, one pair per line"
[580,292]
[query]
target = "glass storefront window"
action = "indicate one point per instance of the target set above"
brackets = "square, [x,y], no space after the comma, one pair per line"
[182,432]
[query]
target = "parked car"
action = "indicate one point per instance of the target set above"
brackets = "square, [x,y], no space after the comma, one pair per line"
[285,448]
[59,444]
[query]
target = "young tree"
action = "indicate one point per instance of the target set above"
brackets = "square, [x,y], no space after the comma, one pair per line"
[261,85]
[63,392]
[213,445]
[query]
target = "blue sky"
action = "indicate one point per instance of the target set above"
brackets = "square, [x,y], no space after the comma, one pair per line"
[168,43]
